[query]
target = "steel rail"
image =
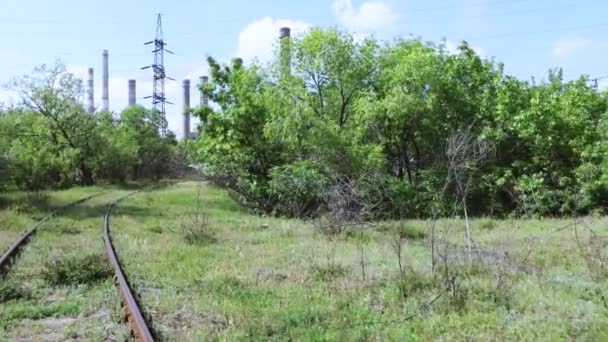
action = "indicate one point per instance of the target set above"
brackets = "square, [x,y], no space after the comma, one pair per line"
[21,241]
[138,324]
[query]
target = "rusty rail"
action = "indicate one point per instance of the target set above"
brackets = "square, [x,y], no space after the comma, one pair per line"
[20,242]
[136,320]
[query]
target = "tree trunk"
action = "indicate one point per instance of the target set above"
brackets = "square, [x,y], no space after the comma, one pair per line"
[86,174]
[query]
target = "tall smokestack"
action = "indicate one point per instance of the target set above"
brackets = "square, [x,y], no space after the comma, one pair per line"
[204,98]
[186,112]
[285,52]
[132,93]
[91,92]
[284,32]
[105,91]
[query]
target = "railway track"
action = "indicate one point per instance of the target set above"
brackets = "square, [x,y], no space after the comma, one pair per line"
[20,242]
[139,326]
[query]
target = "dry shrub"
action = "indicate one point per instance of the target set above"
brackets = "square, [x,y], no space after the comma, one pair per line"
[476,274]
[346,205]
[195,226]
[592,248]
[196,230]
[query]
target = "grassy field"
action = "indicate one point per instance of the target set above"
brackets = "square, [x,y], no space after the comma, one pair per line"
[236,276]
[60,287]
[206,269]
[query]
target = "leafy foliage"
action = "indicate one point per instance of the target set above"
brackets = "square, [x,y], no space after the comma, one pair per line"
[77,270]
[50,141]
[297,188]
[382,114]
[377,119]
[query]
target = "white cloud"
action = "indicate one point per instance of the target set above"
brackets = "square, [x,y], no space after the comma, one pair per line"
[451,47]
[570,45]
[195,74]
[371,16]
[480,51]
[8,98]
[258,38]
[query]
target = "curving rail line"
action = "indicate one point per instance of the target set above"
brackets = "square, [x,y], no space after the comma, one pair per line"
[16,246]
[136,320]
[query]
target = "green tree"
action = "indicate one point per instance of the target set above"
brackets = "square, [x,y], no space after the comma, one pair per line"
[232,144]
[376,119]
[313,109]
[138,141]
[68,133]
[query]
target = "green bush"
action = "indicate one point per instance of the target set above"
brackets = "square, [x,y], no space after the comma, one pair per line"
[77,270]
[535,198]
[400,199]
[329,272]
[4,170]
[410,283]
[404,229]
[297,189]
[10,290]
[156,229]
[32,202]
[485,224]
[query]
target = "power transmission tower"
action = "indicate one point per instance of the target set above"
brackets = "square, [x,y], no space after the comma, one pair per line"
[596,81]
[158,68]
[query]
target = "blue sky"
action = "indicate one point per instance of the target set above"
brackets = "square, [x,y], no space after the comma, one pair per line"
[528,36]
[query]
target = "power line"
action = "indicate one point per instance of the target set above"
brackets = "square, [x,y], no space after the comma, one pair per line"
[72,20]
[530,10]
[563,29]
[457,6]
[69,21]
[514,13]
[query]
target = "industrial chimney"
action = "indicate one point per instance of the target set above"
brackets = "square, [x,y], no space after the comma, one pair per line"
[284,32]
[91,92]
[204,99]
[105,91]
[186,112]
[285,50]
[132,93]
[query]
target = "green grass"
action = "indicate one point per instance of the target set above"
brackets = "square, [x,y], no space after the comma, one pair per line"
[59,288]
[235,276]
[276,279]
[19,210]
